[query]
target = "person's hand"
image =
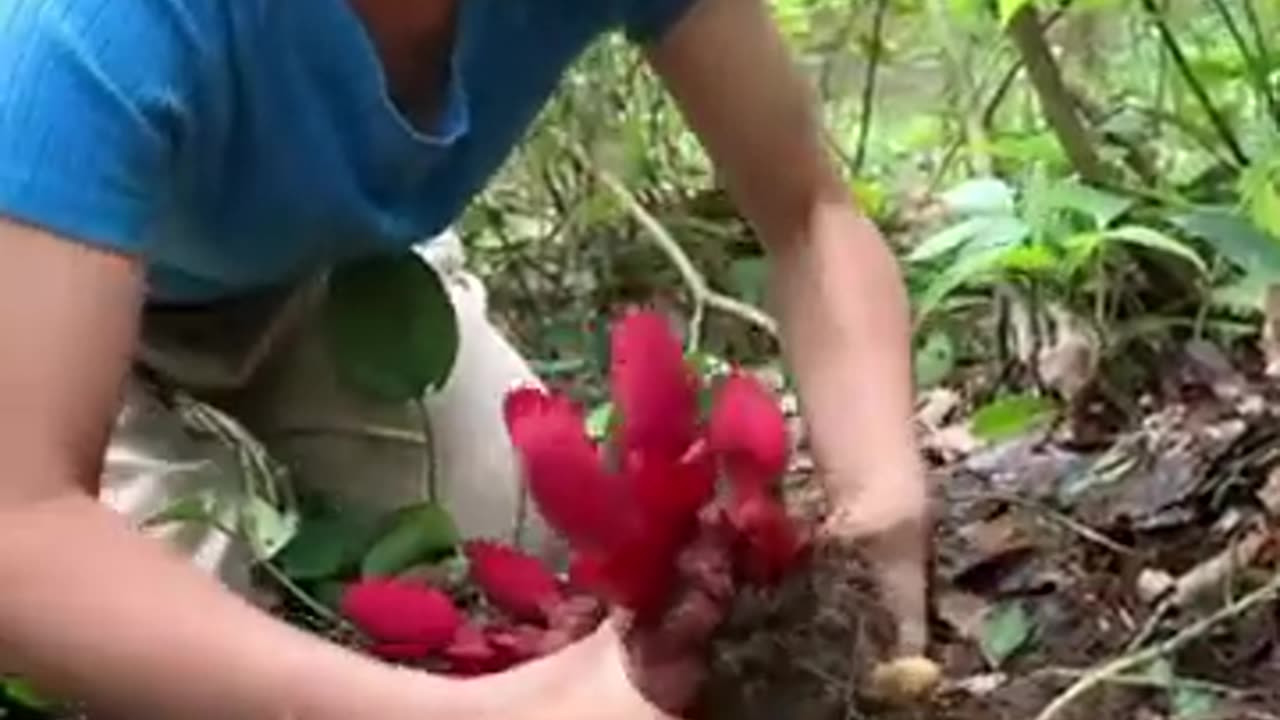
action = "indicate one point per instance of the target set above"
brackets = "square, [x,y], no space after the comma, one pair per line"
[599,680]
[891,519]
[655,669]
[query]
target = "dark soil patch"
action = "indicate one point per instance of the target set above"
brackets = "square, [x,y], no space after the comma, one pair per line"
[802,650]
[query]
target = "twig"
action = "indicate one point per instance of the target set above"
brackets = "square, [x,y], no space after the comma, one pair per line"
[1121,665]
[302,596]
[703,296]
[1094,536]
[1011,74]
[1197,88]
[314,605]
[368,432]
[1143,681]
[869,86]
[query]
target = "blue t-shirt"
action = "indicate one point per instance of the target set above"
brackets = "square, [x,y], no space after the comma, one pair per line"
[237,144]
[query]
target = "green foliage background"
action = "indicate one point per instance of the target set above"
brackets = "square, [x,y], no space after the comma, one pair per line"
[935,122]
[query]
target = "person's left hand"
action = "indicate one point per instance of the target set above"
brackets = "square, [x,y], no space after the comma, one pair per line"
[891,519]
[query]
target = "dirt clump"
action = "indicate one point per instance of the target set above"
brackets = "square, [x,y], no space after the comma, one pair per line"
[804,649]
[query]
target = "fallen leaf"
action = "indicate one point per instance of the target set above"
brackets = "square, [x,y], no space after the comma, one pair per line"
[1154,584]
[1207,578]
[1011,415]
[1269,493]
[1006,630]
[416,534]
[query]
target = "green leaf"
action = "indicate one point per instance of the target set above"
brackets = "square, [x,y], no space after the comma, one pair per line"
[1037,258]
[600,421]
[935,359]
[1236,238]
[325,546]
[870,196]
[983,255]
[1260,194]
[1010,416]
[1191,701]
[1009,8]
[24,694]
[1246,294]
[1080,248]
[266,528]
[948,239]
[1102,207]
[391,326]
[1156,240]
[980,196]
[329,593]
[1007,628]
[961,273]
[416,534]
[197,508]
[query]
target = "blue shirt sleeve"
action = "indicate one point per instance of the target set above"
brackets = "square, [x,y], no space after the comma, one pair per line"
[646,21]
[91,108]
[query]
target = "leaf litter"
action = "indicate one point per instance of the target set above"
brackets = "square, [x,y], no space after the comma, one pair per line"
[1142,568]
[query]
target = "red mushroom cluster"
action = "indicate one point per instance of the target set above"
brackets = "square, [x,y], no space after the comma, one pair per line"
[673,496]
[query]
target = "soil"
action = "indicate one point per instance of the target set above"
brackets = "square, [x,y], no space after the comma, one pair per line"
[802,650]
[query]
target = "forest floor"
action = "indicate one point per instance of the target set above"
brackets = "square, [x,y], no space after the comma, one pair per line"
[1140,564]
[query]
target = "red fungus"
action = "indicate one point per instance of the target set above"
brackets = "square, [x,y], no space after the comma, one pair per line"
[516,583]
[406,621]
[653,389]
[646,528]
[666,474]
[747,429]
[562,467]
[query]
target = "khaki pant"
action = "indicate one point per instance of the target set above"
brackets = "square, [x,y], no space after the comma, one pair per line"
[264,363]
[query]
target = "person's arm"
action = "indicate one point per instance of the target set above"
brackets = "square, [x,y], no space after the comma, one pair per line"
[94,611]
[835,285]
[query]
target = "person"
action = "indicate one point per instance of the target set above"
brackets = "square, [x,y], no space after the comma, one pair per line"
[175,177]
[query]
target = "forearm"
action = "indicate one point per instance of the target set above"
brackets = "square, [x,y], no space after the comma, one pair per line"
[91,610]
[845,323]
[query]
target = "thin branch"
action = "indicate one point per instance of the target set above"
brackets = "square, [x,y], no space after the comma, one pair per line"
[1143,681]
[1011,74]
[1084,531]
[1123,664]
[703,296]
[321,610]
[869,85]
[1026,31]
[1197,88]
